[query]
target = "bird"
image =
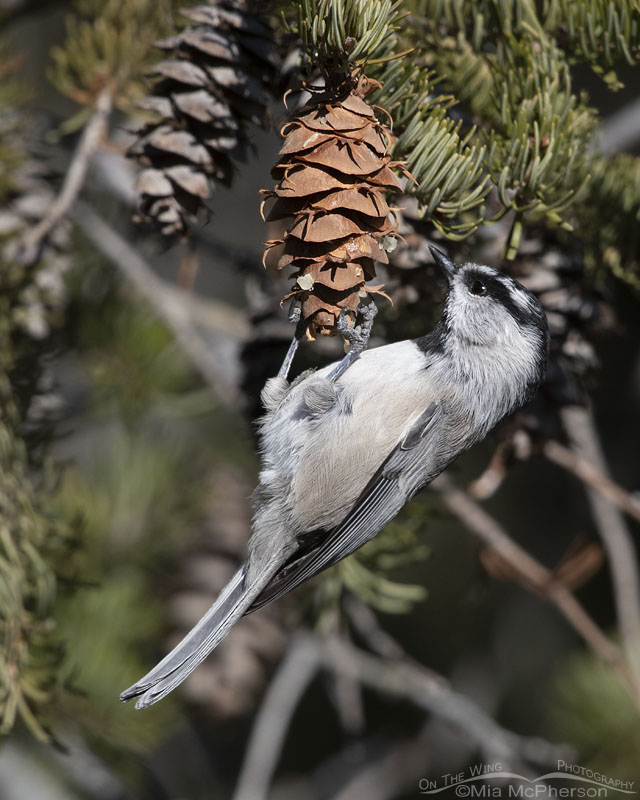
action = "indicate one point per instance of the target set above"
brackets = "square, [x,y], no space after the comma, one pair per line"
[345,447]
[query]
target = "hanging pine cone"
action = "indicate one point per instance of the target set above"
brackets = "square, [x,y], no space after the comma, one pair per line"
[212,85]
[333,175]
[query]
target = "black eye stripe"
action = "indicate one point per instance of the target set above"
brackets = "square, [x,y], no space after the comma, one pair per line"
[497,289]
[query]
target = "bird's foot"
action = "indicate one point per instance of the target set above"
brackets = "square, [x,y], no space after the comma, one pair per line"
[357,336]
[295,315]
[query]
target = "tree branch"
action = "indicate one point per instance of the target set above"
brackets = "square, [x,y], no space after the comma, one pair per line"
[34,240]
[172,305]
[533,575]
[295,673]
[594,478]
[616,539]
[397,676]
[409,681]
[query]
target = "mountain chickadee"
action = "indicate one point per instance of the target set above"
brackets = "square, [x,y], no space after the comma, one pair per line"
[343,449]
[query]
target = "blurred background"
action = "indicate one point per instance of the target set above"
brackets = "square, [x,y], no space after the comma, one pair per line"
[495,620]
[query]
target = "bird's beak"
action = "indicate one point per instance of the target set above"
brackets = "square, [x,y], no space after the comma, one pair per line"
[443,262]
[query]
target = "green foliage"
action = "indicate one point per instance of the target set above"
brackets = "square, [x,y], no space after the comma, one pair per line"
[132,360]
[133,512]
[33,546]
[590,708]
[109,45]
[338,35]
[610,217]
[139,497]
[538,156]
[600,32]
[450,182]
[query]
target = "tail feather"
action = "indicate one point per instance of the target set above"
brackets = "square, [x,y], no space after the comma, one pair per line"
[232,603]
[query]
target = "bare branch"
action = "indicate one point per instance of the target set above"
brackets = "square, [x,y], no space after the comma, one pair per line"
[396,676]
[92,135]
[173,306]
[616,539]
[274,718]
[411,682]
[593,477]
[366,623]
[533,575]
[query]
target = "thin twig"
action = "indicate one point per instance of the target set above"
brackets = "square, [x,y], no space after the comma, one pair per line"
[170,304]
[411,682]
[533,574]
[594,478]
[273,720]
[616,538]
[92,135]
[365,622]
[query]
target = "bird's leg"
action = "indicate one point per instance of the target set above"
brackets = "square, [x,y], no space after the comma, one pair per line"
[301,327]
[358,337]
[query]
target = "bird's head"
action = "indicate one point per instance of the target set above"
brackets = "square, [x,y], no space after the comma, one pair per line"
[490,314]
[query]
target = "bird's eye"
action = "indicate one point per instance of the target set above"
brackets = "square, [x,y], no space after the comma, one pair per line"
[478,288]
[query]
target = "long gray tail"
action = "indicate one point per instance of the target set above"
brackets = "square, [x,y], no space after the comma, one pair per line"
[232,603]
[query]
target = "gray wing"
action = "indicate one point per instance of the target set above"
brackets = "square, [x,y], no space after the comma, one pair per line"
[405,471]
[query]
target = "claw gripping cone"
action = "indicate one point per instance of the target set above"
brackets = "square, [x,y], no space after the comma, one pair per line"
[333,174]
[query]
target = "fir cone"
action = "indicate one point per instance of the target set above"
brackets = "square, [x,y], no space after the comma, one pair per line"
[213,83]
[575,309]
[333,176]
[230,682]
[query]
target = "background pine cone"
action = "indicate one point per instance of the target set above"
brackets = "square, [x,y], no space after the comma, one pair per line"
[213,83]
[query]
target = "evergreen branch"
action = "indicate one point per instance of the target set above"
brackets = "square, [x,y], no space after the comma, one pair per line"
[108,44]
[338,35]
[34,545]
[450,181]
[610,217]
[600,32]
[538,151]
